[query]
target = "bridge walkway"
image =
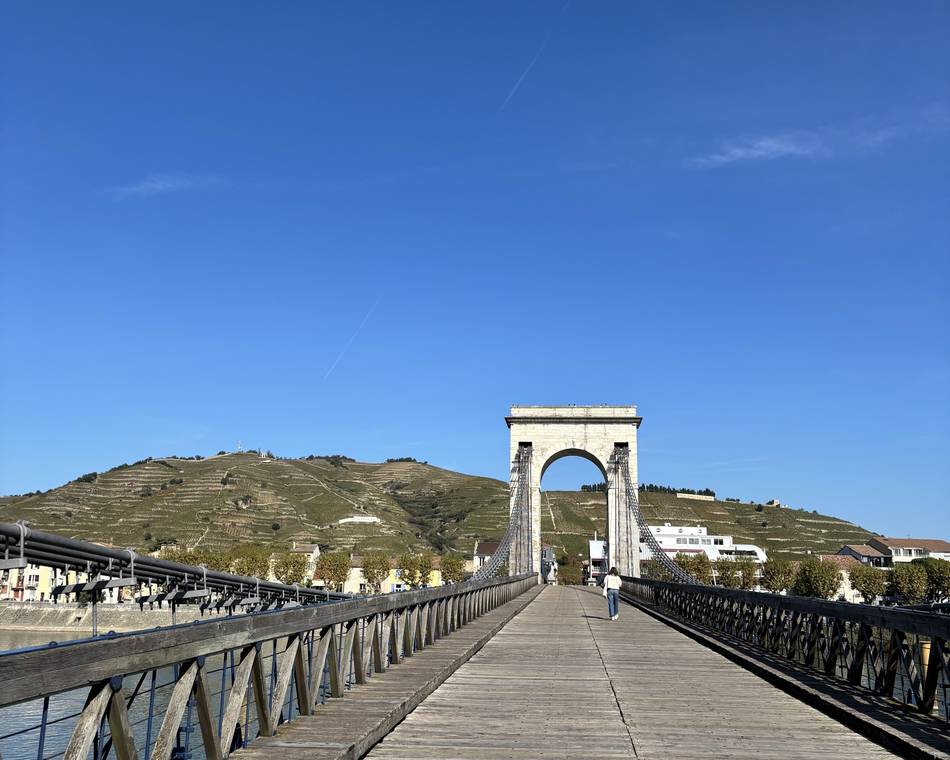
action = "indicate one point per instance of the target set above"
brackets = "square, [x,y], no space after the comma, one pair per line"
[562,681]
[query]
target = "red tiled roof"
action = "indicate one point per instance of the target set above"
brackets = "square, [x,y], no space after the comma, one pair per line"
[863,549]
[486,547]
[930,544]
[842,560]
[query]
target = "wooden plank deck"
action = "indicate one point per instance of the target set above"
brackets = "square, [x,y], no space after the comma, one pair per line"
[562,681]
[347,727]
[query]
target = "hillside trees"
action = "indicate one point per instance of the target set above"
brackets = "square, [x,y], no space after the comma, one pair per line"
[653,488]
[817,578]
[868,581]
[778,575]
[376,569]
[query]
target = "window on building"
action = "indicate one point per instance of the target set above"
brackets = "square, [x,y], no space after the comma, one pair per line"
[707,541]
[717,542]
[681,540]
[694,540]
[680,530]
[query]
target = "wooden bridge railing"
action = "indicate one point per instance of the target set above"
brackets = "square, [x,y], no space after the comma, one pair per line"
[899,653]
[239,676]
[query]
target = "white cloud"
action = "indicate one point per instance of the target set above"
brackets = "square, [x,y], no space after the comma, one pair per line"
[869,133]
[156,184]
[765,148]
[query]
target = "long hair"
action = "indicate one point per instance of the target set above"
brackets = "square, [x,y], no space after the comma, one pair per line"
[613,571]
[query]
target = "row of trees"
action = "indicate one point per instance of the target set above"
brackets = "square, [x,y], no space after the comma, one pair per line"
[912,583]
[415,569]
[654,488]
[333,568]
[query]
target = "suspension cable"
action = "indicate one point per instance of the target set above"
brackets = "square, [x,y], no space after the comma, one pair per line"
[517,528]
[622,460]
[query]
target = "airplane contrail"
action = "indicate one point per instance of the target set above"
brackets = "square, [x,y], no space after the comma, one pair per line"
[524,73]
[352,338]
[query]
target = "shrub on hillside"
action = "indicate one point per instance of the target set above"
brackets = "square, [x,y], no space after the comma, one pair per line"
[89,477]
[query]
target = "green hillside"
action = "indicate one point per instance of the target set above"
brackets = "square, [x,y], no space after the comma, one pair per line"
[238,498]
[569,517]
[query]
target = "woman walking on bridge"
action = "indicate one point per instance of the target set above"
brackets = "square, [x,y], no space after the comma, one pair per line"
[612,592]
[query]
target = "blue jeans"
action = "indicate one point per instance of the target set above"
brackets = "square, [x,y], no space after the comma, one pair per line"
[613,602]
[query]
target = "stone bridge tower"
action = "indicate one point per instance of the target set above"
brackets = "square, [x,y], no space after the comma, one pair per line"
[591,432]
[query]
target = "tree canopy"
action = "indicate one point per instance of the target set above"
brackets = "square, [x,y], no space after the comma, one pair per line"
[376,569]
[868,581]
[333,568]
[816,577]
[453,568]
[778,575]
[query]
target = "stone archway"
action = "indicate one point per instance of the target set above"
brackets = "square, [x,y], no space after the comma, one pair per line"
[591,432]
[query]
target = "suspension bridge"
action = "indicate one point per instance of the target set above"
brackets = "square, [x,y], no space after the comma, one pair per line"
[499,666]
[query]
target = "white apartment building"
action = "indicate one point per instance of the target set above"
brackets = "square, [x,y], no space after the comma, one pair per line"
[691,539]
[896,550]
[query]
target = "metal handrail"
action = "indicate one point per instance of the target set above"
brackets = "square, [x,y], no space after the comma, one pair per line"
[282,664]
[94,560]
[896,652]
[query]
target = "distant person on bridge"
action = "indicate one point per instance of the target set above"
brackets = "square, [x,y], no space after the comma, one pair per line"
[612,592]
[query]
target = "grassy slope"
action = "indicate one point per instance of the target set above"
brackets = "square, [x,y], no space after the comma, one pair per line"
[417,505]
[786,532]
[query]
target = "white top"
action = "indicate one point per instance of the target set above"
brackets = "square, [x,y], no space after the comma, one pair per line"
[612,582]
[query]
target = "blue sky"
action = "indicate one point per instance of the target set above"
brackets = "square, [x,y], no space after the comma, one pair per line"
[370,228]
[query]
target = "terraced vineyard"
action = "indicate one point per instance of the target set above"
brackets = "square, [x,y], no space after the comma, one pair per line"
[239,498]
[569,517]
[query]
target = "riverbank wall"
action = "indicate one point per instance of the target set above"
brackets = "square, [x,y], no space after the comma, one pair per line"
[121,618]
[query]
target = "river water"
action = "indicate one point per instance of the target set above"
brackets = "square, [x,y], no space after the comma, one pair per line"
[20,734]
